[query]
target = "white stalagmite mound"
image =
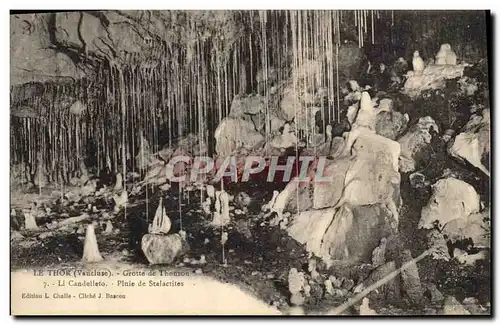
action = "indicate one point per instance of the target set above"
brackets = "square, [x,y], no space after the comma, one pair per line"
[120,200]
[29,220]
[210,191]
[161,222]
[164,249]
[446,56]
[119,183]
[90,249]
[418,63]
[221,213]
[366,113]
[109,227]
[434,76]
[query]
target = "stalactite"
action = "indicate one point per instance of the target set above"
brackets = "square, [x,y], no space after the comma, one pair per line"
[188,90]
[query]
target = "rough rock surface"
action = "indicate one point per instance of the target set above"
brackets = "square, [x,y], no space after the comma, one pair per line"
[476,227]
[69,45]
[251,104]
[473,144]
[411,279]
[32,56]
[433,77]
[390,124]
[378,255]
[349,234]
[433,294]
[451,199]
[163,249]
[414,142]
[233,133]
[451,306]
[391,290]
[368,180]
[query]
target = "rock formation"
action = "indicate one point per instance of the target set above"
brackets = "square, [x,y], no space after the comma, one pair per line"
[451,199]
[161,222]
[473,143]
[90,249]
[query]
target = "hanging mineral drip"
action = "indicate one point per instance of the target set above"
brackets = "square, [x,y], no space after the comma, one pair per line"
[223,240]
[373,28]
[265,65]
[123,131]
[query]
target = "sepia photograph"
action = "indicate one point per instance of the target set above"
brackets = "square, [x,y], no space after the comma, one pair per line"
[250,162]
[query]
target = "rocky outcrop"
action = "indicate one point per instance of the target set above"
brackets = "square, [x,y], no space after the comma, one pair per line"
[34,58]
[355,191]
[251,104]
[163,249]
[473,143]
[391,124]
[414,143]
[432,77]
[233,133]
[475,227]
[451,199]
[55,46]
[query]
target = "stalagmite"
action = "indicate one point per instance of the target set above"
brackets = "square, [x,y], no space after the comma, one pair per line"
[119,183]
[84,176]
[297,286]
[109,227]
[205,205]
[363,124]
[365,310]
[210,191]
[144,158]
[161,222]
[224,198]
[281,200]
[446,55]
[120,200]
[366,114]
[40,178]
[29,220]
[418,64]
[221,213]
[90,249]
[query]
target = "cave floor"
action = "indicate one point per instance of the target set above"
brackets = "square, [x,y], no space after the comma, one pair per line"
[259,257]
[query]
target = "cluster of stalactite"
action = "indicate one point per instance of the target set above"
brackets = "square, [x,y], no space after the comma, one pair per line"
[184,89]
